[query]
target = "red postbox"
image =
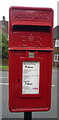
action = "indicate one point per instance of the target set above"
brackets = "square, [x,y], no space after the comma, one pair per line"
[30,58]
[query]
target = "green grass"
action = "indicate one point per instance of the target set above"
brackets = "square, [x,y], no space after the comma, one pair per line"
[3,67]
[3,64]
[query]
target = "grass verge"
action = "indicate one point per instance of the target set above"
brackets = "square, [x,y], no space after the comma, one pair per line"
[3,67]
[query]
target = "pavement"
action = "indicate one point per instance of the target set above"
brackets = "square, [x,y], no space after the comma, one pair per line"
[4,111]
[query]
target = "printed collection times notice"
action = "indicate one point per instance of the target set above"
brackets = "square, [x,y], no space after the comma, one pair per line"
[30,77]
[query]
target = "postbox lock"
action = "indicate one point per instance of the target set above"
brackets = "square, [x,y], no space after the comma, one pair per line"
[18,80]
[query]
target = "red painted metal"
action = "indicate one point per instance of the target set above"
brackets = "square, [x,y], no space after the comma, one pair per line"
[30,30]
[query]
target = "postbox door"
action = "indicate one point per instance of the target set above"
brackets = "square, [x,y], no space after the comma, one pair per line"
[27,99]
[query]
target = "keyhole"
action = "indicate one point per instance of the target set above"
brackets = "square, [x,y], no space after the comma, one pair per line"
[18,80]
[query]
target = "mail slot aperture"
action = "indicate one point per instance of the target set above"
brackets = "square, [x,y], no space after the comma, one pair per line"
[31,28]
